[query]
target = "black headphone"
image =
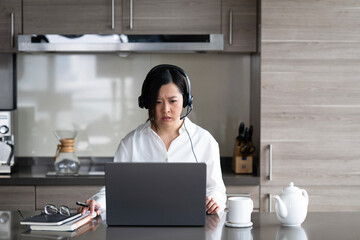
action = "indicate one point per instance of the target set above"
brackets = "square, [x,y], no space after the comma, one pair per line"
[188,98]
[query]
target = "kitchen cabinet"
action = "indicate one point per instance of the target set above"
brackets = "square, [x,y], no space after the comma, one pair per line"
[171,17]
[63,195]
[245,191]
[30,198]
[72,17]
[17,197]
[10,24]
[309,108]
[8,82]
[116,16]
[239,25]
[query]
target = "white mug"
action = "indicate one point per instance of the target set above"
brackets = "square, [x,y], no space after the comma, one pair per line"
[240,209]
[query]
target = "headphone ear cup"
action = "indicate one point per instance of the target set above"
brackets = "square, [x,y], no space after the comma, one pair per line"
[190,101]
[185,100]
[141,102]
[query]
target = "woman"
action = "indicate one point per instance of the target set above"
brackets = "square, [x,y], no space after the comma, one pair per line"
[168,136]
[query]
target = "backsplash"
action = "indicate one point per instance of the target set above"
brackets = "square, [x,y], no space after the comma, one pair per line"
[97,94]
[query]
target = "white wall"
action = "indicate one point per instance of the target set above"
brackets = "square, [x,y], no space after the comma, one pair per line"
[97,95]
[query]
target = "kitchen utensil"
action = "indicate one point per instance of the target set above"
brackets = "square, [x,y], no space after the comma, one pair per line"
[291,205]
[246,135]
[241,131]
[251,129]
[66,161]
[245,150]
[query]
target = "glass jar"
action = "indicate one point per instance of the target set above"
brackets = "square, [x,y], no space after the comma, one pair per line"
[66,161]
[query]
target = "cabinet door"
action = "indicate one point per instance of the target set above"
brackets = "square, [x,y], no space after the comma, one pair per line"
[171,16]
[63,195]
[17,197]
[244,191]
[321,198]
[10,24]
[309,163]
[72,17]
[239,25]
[309,102]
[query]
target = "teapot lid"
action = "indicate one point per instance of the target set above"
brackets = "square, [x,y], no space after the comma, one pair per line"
[291,189]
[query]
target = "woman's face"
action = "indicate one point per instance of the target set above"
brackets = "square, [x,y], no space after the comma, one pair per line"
[168,106]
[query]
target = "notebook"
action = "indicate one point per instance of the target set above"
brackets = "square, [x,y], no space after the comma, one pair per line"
[155,194]
[68,226]
[49,220]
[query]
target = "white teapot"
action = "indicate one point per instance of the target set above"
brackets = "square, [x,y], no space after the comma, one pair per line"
[291,206]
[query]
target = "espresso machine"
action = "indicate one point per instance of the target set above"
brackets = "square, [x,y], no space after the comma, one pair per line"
[8,104]
[6,143]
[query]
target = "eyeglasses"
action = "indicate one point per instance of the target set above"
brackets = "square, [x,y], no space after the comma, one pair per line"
[50,209]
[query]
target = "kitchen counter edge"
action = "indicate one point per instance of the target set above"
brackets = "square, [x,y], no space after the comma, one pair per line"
[32,171]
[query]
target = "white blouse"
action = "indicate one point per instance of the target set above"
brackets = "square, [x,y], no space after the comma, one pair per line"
[144,145]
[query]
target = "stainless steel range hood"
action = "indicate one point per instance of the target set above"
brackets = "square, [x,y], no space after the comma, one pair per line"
[120,43]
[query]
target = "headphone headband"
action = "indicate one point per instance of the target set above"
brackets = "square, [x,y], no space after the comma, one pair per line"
[188,98]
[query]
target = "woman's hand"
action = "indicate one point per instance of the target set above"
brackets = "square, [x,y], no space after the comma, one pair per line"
[93,207]
[211,206]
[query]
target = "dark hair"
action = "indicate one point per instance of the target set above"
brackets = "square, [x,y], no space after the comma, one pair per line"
[156,80]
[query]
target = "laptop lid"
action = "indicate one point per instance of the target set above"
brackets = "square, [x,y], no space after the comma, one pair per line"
[153,194]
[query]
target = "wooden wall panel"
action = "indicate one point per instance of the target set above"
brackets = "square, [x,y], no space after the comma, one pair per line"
[316,57]
[326,20]
[310,88]
[311,123]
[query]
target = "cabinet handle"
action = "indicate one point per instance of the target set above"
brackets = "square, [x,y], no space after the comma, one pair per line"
[230,28]
[270,162]
[12,30]
[112,14]
[131,14]
[269,202]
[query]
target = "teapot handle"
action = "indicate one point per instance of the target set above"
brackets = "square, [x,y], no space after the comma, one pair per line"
[305,195]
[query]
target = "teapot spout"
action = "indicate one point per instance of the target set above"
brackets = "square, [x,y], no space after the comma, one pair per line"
[281,208]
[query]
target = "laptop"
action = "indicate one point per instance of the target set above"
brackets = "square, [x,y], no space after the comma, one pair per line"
[155,194]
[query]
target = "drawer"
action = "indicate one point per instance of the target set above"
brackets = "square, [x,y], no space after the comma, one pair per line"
[321,198]
[17,197]
[244,191]
[63,195]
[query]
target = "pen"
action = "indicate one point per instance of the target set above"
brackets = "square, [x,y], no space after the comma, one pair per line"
[84,205]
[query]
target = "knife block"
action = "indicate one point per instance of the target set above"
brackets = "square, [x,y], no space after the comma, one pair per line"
[241,165]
